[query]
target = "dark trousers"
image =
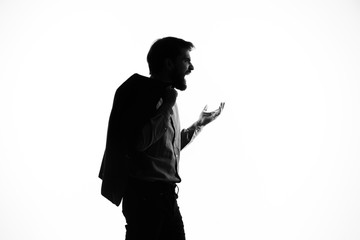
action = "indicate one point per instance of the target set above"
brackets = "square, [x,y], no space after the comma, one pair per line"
[151,212]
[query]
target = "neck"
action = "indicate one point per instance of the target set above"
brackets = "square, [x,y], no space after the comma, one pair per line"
[164,79]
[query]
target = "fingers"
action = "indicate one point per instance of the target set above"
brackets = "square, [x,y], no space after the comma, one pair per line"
[216,112]
[170,95]
[222,105]
[205,108]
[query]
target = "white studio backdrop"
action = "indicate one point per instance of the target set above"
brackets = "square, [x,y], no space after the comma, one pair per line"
[281,162]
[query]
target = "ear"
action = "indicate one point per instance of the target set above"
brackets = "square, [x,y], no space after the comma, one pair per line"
[169,64]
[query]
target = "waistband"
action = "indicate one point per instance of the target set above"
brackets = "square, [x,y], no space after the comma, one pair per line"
[156,187]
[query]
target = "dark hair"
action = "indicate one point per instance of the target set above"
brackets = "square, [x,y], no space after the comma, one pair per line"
[168,47]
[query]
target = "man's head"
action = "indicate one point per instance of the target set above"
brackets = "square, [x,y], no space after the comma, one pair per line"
[170,57]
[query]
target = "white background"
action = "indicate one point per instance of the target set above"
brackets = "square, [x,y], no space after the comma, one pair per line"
[282,162]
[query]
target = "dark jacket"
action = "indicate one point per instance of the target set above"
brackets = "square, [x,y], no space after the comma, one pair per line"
[134,104]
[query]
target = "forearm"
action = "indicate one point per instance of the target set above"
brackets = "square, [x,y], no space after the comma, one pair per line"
[189,134]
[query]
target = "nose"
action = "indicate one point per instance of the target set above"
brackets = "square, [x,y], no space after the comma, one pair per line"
[191,67]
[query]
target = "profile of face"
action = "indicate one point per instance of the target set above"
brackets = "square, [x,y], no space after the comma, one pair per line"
[182,66]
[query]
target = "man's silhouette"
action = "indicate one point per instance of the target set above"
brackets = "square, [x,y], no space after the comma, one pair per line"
[144,139]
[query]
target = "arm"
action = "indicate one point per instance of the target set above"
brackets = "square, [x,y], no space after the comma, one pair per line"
[189,134]
[155,127]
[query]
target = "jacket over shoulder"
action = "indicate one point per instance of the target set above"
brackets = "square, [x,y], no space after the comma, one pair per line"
[134,103]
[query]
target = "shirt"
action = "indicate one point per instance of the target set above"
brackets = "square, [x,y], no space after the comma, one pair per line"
[159,146]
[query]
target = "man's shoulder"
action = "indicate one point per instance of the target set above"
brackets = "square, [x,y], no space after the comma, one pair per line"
[138,78]
[139,89]
[137,82]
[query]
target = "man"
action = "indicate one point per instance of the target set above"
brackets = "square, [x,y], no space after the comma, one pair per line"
[141,161]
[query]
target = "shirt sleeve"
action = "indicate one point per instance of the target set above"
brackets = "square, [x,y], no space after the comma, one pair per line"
[189,134]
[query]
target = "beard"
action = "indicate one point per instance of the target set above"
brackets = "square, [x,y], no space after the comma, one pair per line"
[180,84]
[179,81]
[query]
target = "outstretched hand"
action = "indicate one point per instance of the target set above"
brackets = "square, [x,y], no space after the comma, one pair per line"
[208,117]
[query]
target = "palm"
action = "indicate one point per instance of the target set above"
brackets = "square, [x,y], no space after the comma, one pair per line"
[207,117]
